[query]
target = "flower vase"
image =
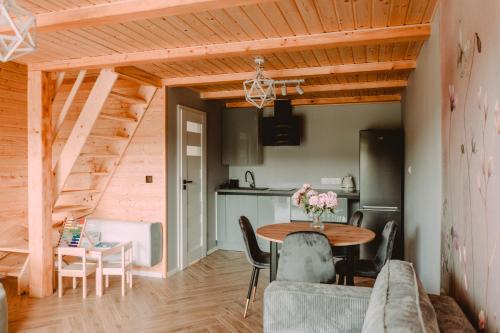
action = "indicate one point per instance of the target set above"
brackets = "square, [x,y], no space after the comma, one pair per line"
[316,224]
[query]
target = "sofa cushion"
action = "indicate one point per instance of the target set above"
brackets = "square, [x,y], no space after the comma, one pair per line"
[449,315]
[399,303]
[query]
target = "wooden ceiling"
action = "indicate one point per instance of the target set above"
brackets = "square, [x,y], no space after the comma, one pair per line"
[348,51]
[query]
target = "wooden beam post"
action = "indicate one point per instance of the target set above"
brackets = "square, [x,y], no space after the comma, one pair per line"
[40,184]
[304,72]
[320,88]
[328,100]
[396,34]
[125,11]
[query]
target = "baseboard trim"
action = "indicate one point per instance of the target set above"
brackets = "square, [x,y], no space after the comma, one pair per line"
[157,275]
[173,272]
[212,250]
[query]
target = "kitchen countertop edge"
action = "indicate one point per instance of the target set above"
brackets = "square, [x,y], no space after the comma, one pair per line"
[284,193]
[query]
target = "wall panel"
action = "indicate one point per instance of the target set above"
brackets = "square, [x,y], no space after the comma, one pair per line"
[13,154]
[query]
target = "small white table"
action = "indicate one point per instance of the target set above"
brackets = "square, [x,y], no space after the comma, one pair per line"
[97,253]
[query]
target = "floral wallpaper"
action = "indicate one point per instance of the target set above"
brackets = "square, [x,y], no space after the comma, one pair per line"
[470,52]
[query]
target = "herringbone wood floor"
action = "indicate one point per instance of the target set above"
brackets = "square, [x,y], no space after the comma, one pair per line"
[209,296]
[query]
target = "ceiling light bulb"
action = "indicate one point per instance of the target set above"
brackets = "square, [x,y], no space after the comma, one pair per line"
[283,90]
[299,89]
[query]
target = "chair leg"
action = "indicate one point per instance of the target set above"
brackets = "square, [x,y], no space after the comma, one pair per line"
[255,281]
[84,287]
[74,282]
[130,278]
[249,294]
[341,279]
[106,278]
[123,283]
[59,284]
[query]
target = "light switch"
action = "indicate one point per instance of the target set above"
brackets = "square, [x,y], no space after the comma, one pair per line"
[149,179]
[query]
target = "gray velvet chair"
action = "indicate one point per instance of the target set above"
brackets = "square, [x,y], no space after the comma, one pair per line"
[371,268]
[255,256]
[355,221]
[306,256]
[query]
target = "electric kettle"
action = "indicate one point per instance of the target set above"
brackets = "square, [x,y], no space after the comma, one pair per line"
[347,183]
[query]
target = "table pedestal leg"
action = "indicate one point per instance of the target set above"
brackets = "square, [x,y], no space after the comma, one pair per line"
[350,266]
[274,261]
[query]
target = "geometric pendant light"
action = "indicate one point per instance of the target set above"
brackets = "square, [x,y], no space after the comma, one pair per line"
[17,37]
[261,90]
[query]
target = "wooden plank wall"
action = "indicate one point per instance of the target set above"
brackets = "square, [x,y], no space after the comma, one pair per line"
[13,155]
[128,196]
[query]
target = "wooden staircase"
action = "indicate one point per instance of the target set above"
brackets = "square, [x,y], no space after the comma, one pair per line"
[97,141]
[96,118]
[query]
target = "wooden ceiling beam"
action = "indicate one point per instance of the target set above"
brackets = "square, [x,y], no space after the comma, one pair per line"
[394,34]
[329,100]
[370,67]
[126,11]
[395,84]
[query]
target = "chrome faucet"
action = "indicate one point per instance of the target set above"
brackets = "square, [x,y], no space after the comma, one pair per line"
[252,176]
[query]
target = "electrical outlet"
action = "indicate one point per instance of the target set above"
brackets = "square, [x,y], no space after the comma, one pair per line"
[331,181]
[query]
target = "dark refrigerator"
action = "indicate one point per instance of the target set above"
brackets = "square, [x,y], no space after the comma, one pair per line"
[381,161]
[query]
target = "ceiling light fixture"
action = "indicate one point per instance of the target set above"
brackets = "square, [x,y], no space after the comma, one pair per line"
[18,25]
[299,89]
[260,91]
[283,90]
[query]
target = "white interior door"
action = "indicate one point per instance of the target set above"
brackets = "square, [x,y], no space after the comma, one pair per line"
[192,185]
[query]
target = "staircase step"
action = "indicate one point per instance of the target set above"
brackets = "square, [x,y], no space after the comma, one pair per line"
[99,155]
[110,137]
[87,190]
[89,173]
[118,118]
[14,249]
[69,209]
[127,98]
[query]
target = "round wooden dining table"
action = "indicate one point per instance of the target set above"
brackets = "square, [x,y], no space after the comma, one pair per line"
[340,235]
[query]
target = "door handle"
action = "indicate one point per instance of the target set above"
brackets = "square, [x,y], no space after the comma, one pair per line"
[185,182]
[380,208]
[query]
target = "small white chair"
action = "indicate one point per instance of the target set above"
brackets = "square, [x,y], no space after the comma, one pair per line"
[121,268]
[75,270]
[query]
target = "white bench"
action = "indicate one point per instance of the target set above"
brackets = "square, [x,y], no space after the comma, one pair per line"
[146,237]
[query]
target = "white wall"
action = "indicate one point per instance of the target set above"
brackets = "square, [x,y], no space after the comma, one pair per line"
[423,187]
[329,147]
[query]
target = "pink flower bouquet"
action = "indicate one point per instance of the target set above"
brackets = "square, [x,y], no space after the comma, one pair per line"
[314,203]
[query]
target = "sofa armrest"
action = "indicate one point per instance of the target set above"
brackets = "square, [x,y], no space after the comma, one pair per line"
[310,307]
[3,311]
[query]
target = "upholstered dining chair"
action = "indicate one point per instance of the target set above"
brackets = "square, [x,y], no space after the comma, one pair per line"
[355,221]
[371,268]
[306,256]
[257,258]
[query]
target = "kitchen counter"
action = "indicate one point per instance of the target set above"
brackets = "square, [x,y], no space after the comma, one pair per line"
[281,192]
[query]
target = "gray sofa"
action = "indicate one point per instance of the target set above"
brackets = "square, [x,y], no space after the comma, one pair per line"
[396,303]
[3,310]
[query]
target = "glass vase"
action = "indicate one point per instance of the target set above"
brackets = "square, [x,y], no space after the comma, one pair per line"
[316,224]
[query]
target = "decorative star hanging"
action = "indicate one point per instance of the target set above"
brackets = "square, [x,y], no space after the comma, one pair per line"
[18,31]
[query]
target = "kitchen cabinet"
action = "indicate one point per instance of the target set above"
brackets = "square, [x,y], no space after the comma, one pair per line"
[260,210]
[241,143]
